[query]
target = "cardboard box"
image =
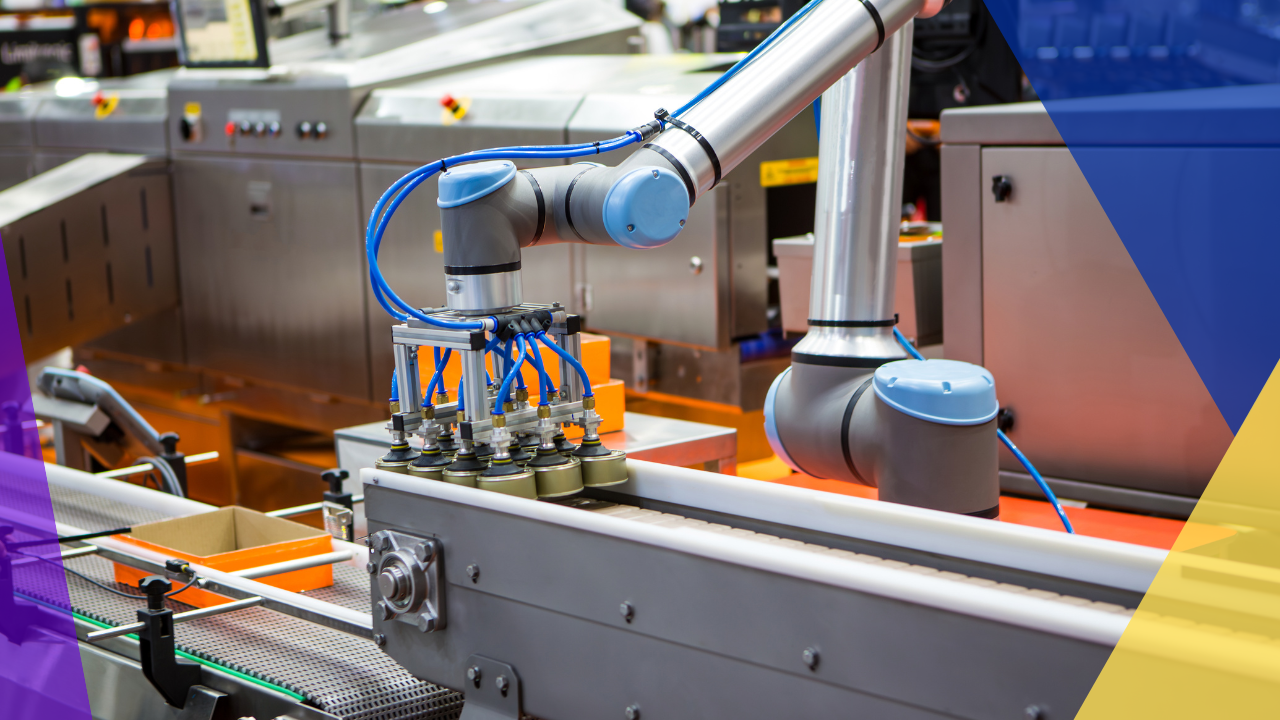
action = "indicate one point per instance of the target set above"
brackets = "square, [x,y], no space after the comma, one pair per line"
[233,538]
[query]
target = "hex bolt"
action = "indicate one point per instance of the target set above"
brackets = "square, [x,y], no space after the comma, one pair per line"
[426,624]
[810,657]
[368,542]
[424,552]
[473,572]
[628,611]
[1034,712]
[473,674]
[370,567]
[503,684]
[387,611]
[632,712]
[386,543]
[379,639]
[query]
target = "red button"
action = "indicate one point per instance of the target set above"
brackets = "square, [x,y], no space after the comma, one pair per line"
[230,128]
[97,99]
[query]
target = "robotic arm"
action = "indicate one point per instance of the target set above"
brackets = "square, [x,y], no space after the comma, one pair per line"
[490,211]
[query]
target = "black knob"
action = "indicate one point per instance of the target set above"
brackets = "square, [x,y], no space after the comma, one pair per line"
[169,441]
[304,129]
[1001,187]
[260,129]
[321,131]
[335,477]
[246,127]
[155,587]
[273,129]
[184,128]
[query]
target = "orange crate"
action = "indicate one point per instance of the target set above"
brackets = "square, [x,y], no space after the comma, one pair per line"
[233,538]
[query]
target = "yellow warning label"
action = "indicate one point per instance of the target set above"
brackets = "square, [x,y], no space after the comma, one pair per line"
[191,108]
[439,240]
[789,172]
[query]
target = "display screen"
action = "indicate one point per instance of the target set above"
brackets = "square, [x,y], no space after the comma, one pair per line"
[222,33]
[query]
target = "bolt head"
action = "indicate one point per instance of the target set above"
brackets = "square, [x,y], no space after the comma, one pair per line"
[379,639]
[473,572]
[426,624]
[387,611]
[385,543]
[810,657]
[503,684]
[474,674]
[370,567]
[1034,712]
[628,611]
[424,552]
[632,712]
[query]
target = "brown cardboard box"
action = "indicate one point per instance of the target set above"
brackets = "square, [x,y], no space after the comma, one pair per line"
[229,539]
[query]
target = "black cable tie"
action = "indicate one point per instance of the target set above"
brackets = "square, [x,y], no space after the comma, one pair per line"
[443,166]
[597,144]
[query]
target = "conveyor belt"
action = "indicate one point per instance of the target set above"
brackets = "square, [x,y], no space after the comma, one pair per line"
[338,673]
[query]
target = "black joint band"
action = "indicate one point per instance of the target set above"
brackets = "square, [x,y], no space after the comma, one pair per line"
[481,269]
[875,15]
[684,174]
[839,361]
[702,140]
[854,323]
[568,195]
[542,206]
[844,429]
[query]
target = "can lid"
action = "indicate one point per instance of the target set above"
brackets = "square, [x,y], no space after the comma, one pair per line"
[949,392]
[467,183]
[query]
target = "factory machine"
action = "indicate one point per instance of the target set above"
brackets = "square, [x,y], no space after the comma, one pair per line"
[548,580]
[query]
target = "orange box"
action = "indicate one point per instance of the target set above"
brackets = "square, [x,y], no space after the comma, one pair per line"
[230,539]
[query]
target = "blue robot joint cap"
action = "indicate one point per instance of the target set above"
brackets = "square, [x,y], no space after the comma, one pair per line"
[948,392]
[462,184]
[646,208]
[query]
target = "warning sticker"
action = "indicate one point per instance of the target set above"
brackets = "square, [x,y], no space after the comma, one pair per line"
[789,172]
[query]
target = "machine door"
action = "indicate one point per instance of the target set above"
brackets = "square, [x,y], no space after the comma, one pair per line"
[273,274]
[1101,388]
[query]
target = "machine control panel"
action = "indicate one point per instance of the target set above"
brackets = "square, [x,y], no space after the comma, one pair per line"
[308,117]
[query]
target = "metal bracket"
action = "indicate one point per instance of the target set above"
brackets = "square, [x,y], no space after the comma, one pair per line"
[408,579]
[492,689]
[202,704]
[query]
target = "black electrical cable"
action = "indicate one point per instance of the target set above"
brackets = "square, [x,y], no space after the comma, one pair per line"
[109,589]
[68,538]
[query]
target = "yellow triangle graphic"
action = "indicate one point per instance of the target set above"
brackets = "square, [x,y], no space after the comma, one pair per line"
[1205,641]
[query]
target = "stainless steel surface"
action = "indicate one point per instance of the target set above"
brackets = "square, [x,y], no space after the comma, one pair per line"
[786,78]
[272,265]
[855,255]
[89,248]
[1011,124]
[1057,288]
[964,186]
[483,294]
[686,599]
[100,635]
[136,125]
